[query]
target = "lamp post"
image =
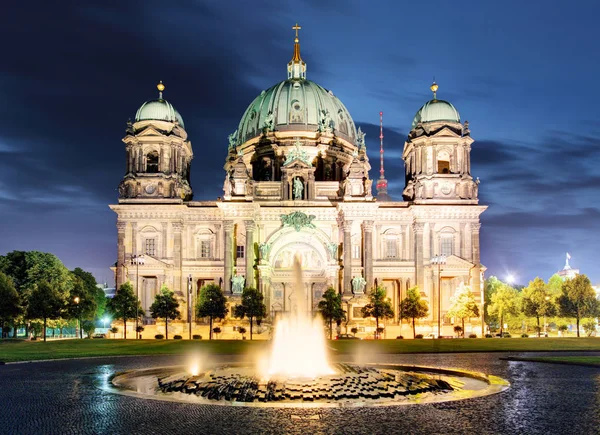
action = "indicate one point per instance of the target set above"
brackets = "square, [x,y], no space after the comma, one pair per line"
[137,260]
[76,300]
[547,298]
[189,304]
[439,260]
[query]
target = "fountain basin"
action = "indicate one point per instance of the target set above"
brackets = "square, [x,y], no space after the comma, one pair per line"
[350,386]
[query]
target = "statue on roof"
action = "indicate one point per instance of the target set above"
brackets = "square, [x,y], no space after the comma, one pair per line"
[268,123]
[298,188]
[325,122]
[360,139]
[232,140]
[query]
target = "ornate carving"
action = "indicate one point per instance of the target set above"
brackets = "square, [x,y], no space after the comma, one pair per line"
[358,285]
[237,284]
[297,153]
[228,226]
[419,227]
[177,227]
[250,225]
[368,226]
[264,249]
[298,220]
[121,226]
[333,250]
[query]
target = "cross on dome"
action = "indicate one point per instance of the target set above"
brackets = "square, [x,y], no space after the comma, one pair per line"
[296,67]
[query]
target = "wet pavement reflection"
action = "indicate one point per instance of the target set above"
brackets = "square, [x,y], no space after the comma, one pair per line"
[66,397]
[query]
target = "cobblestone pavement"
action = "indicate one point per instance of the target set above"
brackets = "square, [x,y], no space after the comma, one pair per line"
[64,397]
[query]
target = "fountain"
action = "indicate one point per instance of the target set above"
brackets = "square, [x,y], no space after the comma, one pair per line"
[297,372]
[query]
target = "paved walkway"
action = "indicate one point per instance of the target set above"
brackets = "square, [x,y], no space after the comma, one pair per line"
[64,397]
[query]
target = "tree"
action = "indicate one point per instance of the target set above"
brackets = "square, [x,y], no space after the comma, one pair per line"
[124,305]
[379,306]
[10,303]
[463,305]
[537,301]
[492,284]
[92,290]
[412,307]
[504,301]
[458,330]
[331,309]
[242,332]
[578,299]
[211,304]
[28,269]
[81,304]
[165,307]
[45,302]
[252,306]
[589,326]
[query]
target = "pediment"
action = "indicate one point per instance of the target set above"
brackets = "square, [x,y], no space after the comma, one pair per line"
[150,131]
[297,162]
[446,131]
[456,262]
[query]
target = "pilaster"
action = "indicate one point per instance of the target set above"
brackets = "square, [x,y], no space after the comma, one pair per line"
[228,255]
[418,228]
[120,278]
[250,228]
[347,283]
[368,253]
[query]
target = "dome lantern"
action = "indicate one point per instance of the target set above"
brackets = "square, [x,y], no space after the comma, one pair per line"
[296,67]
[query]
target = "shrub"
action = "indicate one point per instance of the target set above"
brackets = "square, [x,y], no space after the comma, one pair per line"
[217,330]
[197,337]
[354,330]
[177,337]
[419,336]
[159,336]
[506,335]
[472,335]
[140,328]
[524,335]
[399,337]
[489,336]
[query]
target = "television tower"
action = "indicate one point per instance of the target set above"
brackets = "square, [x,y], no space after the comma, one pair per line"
[382,183]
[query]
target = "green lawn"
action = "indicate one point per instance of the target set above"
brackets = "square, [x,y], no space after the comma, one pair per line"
[15,350]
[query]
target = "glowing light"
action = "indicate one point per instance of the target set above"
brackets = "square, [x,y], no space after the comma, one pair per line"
[194,369]
[299,343]
[510,278]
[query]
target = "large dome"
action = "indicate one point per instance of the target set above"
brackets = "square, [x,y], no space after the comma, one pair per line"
[295,104]
[436,110]
[158,110]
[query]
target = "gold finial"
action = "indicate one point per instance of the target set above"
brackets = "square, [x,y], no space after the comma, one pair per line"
[434,87]
[160,88]
[296,57]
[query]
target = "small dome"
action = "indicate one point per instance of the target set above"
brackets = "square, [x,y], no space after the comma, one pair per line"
[160,110]
[436,110]
[296,104]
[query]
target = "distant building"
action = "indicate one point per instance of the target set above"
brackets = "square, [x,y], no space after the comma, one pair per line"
[568,272]
[109,292]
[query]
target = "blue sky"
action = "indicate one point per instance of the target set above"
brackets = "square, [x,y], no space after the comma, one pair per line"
[522,73]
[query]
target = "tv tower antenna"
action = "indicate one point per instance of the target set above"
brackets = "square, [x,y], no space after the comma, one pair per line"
[382,183]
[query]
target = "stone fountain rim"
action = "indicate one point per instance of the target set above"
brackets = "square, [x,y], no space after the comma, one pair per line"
[495,385]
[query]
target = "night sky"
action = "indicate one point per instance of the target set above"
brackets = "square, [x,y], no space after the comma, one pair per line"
[523,73]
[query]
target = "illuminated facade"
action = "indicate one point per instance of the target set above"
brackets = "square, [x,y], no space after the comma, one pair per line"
[296,183]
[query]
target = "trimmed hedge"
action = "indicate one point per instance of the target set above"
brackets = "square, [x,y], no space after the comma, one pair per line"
[159,336]
[197,337]
[177,337]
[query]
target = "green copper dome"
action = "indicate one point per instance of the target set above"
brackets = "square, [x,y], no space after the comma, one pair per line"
[296,104]
[160,110]
[436,110]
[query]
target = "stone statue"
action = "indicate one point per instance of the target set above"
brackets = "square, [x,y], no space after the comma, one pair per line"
[232,140]
[227,185]
[237,284]
[476,188]
[346,187]
[360,138]
[268,124]
[298,188]
[298,220]
[264,249]
[368,187]
[325,122]
[297,153]
[409,191]
[248,186]
[358,284]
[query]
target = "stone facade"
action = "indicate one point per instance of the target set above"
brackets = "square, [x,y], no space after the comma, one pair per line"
[300,191]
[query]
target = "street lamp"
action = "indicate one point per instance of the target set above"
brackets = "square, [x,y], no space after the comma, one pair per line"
[76,300]
[104,320]
[439,260]
[137,260]
[547,298]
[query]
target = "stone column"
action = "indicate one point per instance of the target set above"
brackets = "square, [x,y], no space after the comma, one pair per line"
[120,278]
[476,271]
[250,228]
[227,255]
[177,247]
[134,239]
[419,271]
[163,250]
[368,255]
[347,227]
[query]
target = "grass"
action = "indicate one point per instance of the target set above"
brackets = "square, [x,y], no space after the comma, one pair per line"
[16,350]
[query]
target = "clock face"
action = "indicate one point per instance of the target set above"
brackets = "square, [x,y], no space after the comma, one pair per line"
[446,189]
[150,189]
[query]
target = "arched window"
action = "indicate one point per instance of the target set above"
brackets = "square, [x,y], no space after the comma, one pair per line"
[443,162]
[152,162]
[446,244]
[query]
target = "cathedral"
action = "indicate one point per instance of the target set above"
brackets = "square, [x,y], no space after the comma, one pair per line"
[297,185]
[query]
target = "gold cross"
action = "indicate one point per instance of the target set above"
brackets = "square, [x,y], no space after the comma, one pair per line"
[296,28]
